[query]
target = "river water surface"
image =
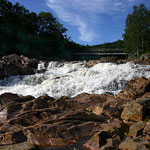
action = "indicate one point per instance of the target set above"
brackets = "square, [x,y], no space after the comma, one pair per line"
[70,79]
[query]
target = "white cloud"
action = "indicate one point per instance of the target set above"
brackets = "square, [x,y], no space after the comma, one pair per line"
[83,13]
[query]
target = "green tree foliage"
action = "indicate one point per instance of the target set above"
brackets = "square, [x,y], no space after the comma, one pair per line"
[117,44]
[114,46]
[137,31]
[33,35]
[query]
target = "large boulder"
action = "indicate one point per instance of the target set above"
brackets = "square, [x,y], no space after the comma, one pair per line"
[136,129]
[132,112]
[109,136]
[17,65]
[135,88]
[136,110]
[143,59]
[111,108]
[20,146]
[131,144]
[146,130]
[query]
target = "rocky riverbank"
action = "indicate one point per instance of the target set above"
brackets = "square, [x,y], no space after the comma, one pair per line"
[86,121]
[12,65]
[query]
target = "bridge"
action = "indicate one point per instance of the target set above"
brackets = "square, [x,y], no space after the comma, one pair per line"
[98,53]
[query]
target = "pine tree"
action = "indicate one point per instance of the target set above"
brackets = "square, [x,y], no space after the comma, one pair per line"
[137,31]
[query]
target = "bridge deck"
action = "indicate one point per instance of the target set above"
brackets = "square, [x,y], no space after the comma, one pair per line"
[102,54]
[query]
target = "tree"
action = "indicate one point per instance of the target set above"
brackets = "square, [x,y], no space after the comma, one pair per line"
[137,31]
[52,31]
[22,32]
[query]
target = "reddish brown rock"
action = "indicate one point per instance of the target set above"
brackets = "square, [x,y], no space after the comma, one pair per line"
[135,88]
[113,107]
[130,144]
[90,99]
[109,137]
[143,59]
[136,129]
[12,138]
[97,141]
[146,130]
[8,97]
[132,111]
[98,110]
[42,102]
[19,146]
[17,65]
[141,85]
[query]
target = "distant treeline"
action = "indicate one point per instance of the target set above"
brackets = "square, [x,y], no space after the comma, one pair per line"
[114,46]
[41,35]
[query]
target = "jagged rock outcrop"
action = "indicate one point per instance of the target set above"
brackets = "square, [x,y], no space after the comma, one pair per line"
[17,65]
[143,59]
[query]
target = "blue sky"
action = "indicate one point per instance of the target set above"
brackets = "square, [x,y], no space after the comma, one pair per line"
[89,22]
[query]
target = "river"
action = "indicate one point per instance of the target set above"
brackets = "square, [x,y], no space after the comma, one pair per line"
[70,79]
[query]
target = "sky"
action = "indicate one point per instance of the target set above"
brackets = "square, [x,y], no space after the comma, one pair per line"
[89,22]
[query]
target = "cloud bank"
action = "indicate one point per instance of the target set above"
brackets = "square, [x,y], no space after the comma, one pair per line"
[85,14]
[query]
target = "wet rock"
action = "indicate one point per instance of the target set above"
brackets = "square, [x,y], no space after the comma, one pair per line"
[45,121]
[109,137]
[135,88]
[145,102]
[42,102]
[65,103]
[13,104]
[63,129]
[17,65]
[108,145]
[143,59]
[8,97]
[146,130]
[97,141]
[146,95]
[90,99]
[136,129]
[42,141]
[24,99]
[29,62]
[20,146]
[130,144]
[113,107]
[91,63]
[13,109]
[98,110]
[142,85]
[12,138]
[132,111]
[111,111]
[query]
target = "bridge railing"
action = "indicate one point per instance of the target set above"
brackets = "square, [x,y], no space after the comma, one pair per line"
[101,50]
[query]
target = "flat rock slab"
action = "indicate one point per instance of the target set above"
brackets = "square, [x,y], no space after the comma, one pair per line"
[20,146]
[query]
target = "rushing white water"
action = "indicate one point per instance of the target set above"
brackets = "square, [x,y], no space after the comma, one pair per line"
[71,79]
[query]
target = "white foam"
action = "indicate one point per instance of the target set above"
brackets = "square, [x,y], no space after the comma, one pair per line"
[41,66]
[71,79]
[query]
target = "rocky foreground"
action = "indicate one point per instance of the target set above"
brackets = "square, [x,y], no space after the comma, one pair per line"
[87,121]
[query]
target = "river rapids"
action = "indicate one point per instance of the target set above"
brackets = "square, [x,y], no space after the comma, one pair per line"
[70,79]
